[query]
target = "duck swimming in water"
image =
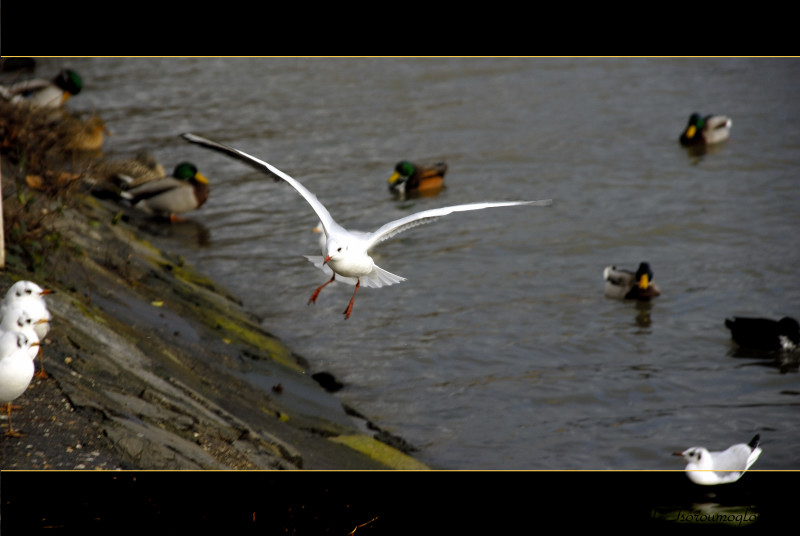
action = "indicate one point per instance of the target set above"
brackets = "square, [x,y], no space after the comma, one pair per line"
[624,284]
[417,179]
[764,333]
[706,130]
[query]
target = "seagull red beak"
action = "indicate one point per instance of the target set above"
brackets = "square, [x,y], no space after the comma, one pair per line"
[326,259]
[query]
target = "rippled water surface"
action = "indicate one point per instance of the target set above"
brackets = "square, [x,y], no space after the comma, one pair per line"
[500,351]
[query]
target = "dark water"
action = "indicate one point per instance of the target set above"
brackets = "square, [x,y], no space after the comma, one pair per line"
[500,351]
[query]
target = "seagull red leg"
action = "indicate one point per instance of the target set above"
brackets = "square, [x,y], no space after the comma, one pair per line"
[313,298]
[11,432]
[41,373]
[350,305]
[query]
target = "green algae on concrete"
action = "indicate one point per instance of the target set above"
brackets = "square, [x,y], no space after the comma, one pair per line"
[380,452]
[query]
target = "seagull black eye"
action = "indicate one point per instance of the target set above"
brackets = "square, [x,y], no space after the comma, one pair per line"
[340,249]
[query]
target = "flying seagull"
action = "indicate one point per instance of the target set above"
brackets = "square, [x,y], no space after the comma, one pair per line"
[346,252]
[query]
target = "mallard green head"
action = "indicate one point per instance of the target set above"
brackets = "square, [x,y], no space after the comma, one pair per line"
[695,126]
[404,168]
[402,171]
[69,81]
[186,171]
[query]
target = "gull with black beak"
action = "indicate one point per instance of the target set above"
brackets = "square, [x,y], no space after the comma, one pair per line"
[346,252]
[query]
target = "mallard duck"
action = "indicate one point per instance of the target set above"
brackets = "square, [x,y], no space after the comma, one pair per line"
[409,178]
[38,93]
[764,333]
[706,130]
[185,190]
[143,168]
[128,173]
[110,177]
[624,284]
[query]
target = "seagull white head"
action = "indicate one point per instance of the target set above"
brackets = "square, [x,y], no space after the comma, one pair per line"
[335,250]
[20,319]
[24,290]
[12,341]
